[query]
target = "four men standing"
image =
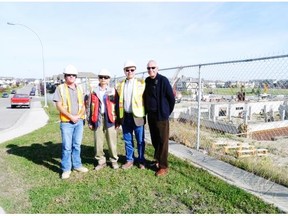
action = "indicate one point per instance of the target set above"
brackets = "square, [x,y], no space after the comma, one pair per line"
[106,110]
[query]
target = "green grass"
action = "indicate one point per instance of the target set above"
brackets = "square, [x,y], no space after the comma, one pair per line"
[248,91]
[31,182]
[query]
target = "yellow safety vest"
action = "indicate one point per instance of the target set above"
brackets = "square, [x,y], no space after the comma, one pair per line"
[66,101]
[137,98]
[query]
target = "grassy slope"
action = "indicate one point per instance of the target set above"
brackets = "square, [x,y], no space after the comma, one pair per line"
[31,182]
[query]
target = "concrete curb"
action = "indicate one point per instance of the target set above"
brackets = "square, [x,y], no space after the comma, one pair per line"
[266,190]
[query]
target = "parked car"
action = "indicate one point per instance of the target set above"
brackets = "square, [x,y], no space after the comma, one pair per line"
[13,91]
[32,93]
[5,95]
[20,100]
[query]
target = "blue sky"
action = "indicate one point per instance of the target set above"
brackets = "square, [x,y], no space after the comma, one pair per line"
[95,35]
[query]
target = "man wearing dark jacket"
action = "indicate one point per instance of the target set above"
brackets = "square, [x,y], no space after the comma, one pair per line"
[159,103]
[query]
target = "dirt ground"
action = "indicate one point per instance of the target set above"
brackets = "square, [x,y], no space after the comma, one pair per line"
[275,140]
[277,149]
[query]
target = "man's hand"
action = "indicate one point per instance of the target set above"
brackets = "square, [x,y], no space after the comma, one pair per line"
[90,126]
[74,118]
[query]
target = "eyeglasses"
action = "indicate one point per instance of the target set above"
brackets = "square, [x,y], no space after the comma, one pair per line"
[148,68]
[130,70]
[69,75]
[103,77]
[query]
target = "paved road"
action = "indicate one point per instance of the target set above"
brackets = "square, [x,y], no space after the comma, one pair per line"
[26,122]
[8,116]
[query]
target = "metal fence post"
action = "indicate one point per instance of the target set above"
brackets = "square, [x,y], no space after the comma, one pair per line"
[199,111]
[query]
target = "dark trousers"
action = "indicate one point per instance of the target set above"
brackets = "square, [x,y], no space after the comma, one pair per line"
[159,131]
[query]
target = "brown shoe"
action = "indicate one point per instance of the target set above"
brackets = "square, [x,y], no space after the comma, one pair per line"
[127,165]
[162,172]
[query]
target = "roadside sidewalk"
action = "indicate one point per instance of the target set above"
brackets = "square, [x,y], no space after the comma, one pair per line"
[35,119]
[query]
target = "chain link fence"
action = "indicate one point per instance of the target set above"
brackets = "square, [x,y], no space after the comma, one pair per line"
[233,109]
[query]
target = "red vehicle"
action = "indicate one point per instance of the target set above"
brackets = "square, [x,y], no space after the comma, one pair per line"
[20,100]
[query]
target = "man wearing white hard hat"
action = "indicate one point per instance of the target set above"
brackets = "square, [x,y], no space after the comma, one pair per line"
[101,112]
[69,99]
[132,115]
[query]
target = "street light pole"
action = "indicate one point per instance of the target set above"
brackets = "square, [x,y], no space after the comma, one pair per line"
[43,64]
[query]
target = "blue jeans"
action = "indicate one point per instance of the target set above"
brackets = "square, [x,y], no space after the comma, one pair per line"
[71,145]
[128,127]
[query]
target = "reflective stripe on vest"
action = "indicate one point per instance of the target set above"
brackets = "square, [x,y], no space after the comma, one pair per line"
[95,108]
[66,101]
[137,98]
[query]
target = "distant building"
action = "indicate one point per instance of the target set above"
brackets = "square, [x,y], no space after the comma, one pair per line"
[187,84]
[87,79]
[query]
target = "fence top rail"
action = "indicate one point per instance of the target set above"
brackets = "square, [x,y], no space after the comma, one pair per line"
[215,63]
[244,60]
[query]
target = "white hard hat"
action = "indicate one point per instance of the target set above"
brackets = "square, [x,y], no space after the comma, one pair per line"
[104,72]
[70,69]
[129,63]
